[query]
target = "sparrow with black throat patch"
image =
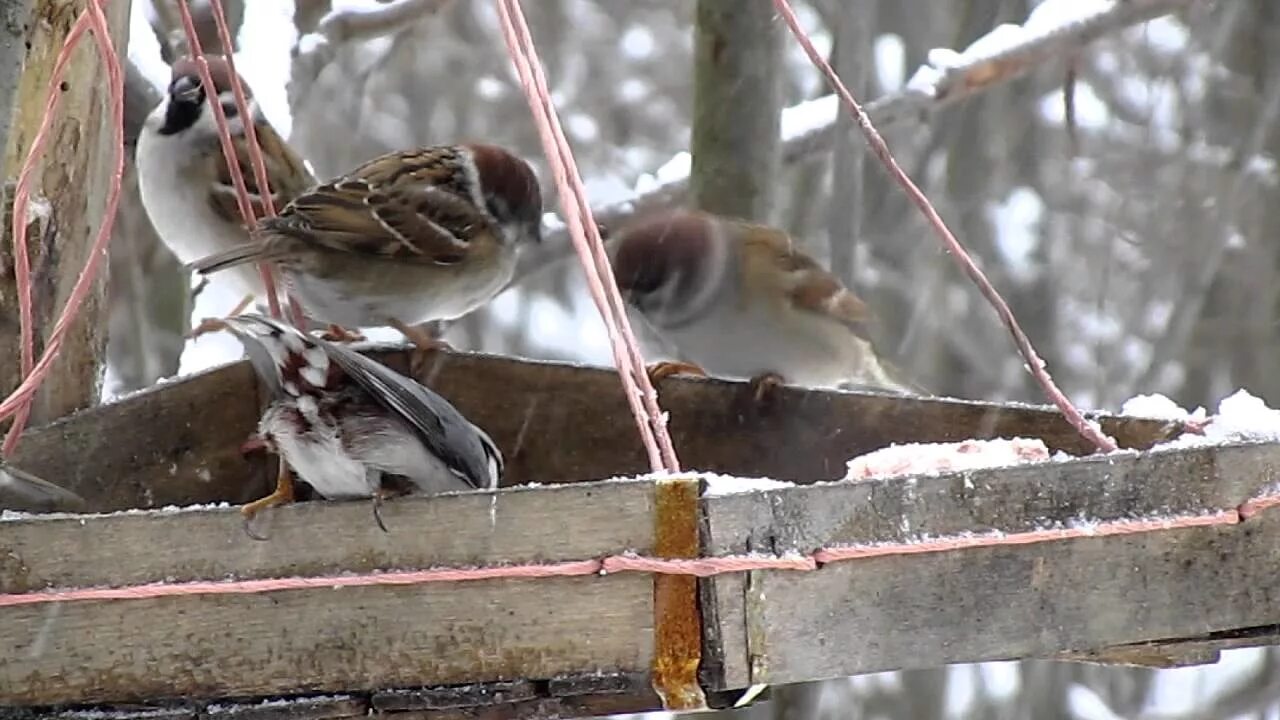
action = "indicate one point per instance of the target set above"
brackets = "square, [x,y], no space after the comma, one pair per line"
[183,176]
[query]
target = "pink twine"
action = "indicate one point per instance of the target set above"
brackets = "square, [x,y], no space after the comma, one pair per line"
[629,562]
[1035,365]
[224,134]
[1031,537]
[18,403]
[585,234]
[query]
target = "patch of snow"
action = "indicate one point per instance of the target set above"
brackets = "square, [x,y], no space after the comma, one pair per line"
[721,485]
[1051,15]
[1001,38]
[1155,406]
[14,515]
[937,458]
[809,116]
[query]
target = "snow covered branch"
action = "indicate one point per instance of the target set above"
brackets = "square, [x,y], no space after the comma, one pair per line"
[1006,53]
[315,49]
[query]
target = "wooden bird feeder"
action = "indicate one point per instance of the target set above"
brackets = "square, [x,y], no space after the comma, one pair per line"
[596,644]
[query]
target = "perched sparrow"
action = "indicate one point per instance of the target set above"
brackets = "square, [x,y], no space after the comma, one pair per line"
[183,175]
[351,427]
[741,300]
[20,490]
[407,238]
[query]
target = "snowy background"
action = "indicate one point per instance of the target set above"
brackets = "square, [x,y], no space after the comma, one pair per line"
[1137,250]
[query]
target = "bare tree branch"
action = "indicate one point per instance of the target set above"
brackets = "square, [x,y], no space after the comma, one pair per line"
[931,89]
[335,29]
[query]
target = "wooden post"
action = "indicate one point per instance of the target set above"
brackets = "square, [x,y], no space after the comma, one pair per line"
[72,181]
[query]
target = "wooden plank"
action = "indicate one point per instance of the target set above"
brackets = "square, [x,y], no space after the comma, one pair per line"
[1001,602]
[321,538]
[327,639]
[342,639]
[176,443]
[555,423]
[565,696]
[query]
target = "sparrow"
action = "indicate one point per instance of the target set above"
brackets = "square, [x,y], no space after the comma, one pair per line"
[407,238]
[184,179]
[20,490]
[351,427]
[740,300]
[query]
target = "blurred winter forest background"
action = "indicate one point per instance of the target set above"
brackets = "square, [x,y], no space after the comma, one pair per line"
[1135,244]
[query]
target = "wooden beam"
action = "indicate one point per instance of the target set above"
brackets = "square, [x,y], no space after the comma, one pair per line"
[328,638]
[1150,598]
[70,186]
[178,443]
[1000,602]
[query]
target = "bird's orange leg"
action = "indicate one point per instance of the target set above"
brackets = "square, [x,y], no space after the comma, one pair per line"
[209,325]
[662,370]
[424,345]
[339,334]
[253,444]
[765,386]
[283,494]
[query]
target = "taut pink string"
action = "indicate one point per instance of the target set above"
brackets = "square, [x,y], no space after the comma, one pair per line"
[584,232]
[224,135]
[630,562]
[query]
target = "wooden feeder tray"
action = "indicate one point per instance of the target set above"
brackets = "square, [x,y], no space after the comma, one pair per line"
[591,644]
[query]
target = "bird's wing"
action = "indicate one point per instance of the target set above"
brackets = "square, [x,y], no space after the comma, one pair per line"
[286,174]
[809,287]
[465,448]
[402,205]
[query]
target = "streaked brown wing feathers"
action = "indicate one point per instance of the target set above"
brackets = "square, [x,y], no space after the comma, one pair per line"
[285,171]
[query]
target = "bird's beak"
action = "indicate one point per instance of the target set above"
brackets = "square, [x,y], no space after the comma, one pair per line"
[186,89]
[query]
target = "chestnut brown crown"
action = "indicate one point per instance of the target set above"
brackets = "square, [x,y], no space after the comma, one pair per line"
[662,248]
[510,191]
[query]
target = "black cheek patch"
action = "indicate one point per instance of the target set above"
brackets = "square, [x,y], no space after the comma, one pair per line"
[179,116]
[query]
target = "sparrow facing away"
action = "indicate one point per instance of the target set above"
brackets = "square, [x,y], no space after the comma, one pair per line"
[406,238]
[351,427]
[20,490]
[741,300]
[184,179]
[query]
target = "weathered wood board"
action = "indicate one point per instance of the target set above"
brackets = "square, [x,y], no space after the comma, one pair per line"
[1013,601]
[178,443]
[327,639]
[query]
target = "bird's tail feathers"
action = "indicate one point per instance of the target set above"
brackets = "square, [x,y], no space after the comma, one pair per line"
[231,257]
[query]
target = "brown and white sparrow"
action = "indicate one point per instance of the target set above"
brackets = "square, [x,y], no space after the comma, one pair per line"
[184,179]
[740,300]
[406,238]
[351,427]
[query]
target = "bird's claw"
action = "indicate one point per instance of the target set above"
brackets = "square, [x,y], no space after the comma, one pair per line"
[662,370]
[377,512]
[764,388]
[338,334]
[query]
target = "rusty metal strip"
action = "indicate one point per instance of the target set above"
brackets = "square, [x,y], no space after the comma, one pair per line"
[677,628]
